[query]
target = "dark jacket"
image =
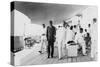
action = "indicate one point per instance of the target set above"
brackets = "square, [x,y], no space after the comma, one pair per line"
[50,34]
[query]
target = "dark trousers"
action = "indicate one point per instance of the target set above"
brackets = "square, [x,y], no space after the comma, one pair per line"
[50,48]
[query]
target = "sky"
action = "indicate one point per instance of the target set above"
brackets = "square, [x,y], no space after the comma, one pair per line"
[40,13]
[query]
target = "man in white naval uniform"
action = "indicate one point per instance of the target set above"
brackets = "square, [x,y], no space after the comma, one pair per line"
[93,33]
[43,46]
[61,41]
[69,35]
[79,38]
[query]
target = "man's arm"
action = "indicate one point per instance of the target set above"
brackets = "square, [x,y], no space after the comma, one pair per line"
[54,31]
[47,33]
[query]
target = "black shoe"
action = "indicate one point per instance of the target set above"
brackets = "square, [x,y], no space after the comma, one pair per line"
[51,56]
[48,57]
[40,52]
[60,58]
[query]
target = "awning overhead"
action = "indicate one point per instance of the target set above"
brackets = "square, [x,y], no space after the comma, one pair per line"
[40,13]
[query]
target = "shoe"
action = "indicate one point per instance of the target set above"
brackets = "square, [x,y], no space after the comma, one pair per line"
[40,52]
[60,58]
[48,57]
[51,56]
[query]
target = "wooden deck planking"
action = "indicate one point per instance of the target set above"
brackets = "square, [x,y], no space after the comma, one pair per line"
[42,59]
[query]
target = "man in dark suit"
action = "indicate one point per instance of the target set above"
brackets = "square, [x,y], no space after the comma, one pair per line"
[50,34]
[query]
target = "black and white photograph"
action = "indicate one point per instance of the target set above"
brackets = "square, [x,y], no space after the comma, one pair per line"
[51,33]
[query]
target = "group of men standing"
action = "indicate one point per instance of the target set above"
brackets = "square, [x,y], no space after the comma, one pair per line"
[65,34]
[48,39]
